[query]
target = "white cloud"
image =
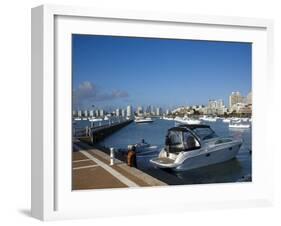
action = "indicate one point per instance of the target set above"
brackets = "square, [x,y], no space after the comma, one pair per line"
[88,92]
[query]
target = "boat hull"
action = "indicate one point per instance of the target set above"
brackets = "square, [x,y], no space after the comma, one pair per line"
[143,121]
[201,160]
[207,159]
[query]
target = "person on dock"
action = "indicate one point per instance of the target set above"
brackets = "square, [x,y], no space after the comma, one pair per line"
[132,157]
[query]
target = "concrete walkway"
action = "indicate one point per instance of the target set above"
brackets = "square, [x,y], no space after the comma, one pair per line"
[91,170]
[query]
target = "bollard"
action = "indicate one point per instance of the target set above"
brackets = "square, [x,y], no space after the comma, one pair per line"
[112,159]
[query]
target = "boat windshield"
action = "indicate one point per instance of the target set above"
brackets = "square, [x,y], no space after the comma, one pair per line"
[205,133]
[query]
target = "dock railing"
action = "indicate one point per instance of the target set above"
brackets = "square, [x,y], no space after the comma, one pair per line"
[102,126]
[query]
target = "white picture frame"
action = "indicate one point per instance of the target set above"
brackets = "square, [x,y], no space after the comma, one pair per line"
[52,197]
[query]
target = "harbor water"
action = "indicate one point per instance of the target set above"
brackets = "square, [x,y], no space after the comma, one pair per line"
[154,134]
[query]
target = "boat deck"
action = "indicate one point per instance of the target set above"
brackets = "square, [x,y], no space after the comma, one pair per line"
[164,160]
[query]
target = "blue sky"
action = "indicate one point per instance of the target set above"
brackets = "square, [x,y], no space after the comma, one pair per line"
[111,72]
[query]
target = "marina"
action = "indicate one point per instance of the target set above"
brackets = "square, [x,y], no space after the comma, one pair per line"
[154,134]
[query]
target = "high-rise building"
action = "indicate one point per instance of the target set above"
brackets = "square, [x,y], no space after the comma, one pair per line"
[101,112]
[86,113]
[117,112]
[79,113]
[123,112]
[235,98]
[249,98]
[91,113]
[216,107]
[129,111]
[97,113]
[139,110]
[158,111]
[168,111]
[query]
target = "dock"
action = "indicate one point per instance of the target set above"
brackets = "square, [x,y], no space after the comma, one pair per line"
[98,133]
[91,169]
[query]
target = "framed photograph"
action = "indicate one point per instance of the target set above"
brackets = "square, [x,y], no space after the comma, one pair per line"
[141,112]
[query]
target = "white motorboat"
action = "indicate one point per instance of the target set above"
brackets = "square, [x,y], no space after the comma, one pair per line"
[226,120]
[209,119]
[143,120]
[95,119]
[144,148]
[239,125]
[168,118]
[84,118]
[77,119]
[186,120]
[193,146]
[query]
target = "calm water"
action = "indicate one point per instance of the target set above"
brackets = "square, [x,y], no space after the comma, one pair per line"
[154,133]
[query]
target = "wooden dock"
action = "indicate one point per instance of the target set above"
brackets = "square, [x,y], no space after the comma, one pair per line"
[91,170]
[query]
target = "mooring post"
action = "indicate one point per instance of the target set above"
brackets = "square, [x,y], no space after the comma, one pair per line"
[112,158]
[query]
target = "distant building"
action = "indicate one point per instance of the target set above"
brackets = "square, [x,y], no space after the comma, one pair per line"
[97,113]
[86,113]
[117,112]
[123,113]
[79,113]
[235,98]
[215,107]
[242,108]
[158,111]
[129,111]
[168,112]
[249,98]
[74,113]
[148,109]
[91,113]
[139,110]
[101,112]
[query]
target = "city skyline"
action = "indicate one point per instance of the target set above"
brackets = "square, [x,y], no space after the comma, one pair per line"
[237,103]
[111,72]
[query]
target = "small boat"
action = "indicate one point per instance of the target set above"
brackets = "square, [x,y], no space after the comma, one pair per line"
[239,125]
[186,120]
[95,119]
[144,148]
[143,120]
[226,120]
[77,119]
[168,118]
[84,118]
[194,146]
[209,119]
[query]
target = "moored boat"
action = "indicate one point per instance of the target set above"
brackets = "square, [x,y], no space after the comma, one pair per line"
[239,125]
[186,120]
[193,146]
[143,120]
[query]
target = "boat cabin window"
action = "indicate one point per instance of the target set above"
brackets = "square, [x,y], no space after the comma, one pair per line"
[178,141]
[174,141]
[205,133]
[189,141]
[175,138]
